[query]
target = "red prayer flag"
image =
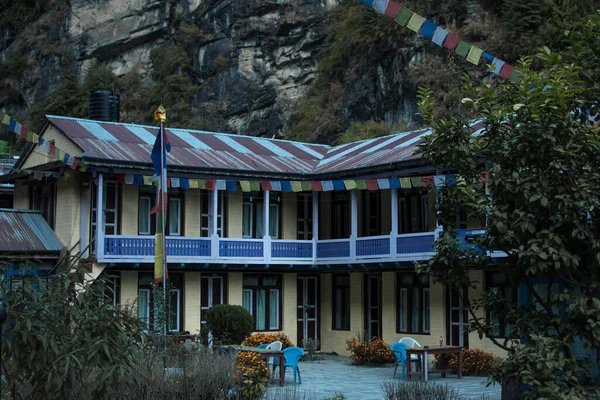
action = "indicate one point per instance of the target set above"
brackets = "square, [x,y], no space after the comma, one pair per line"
[392,9]
[210,184]
[52,149]
[316,186]
[121,179]
[372,184]
[76,162]
[451,41]
[506,71]
[168,183]
[266,185]
[23,133]
[428,181]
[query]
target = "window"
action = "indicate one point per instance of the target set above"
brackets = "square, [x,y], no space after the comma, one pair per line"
[340,215]
[341,302]
[43,199]
[261,296]
[174,219]
[413,212]
[206,206]
[304,216]
[253,216]
[413,304]
[212,292]
[147,308]
[370,213]
[145,225]
[147,221]
[111,200]
[110,289]
[499,282]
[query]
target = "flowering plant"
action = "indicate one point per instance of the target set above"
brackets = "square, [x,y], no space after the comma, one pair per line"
[475,362]
[364,351]
[247,364]
[259,338]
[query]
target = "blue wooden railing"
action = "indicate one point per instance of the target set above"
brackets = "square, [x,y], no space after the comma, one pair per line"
[143,246]
[333,248]
[291,249]
[373,246]
[241,248]
[415,243]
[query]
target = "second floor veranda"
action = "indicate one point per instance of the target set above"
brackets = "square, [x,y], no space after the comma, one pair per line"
[306,227]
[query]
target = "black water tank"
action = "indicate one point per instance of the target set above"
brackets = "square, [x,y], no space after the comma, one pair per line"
[104,106]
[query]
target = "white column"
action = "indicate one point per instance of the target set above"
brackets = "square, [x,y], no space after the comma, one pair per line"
[353,222]
[83,222]
[214,238]
[315,221]
[100,219]
[394,232]
[266,237]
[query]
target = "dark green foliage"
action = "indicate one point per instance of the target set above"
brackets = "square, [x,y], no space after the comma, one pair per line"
[62,342]
[399,390]
[229,324]
[365,130]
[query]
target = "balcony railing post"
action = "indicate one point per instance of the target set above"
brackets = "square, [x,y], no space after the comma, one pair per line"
[394,232]
[354,223]
[100,219]
[266,237]
[315,227]
[214,237]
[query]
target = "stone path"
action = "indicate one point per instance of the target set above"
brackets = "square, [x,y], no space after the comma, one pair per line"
[335,374]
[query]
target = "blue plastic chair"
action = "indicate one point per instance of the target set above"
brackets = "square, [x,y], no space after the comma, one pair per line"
[292,356]
[262,346]
[399,349]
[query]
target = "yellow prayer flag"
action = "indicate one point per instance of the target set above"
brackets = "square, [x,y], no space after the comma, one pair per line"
[415,22]
[296,186]
[6,119]
[194,184]
[158,258]
[35,138]
[60,155]
[245,186]
[474,55]
[350,184]
[147,180]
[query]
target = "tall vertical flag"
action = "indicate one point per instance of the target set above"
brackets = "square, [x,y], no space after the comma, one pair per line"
[159,160]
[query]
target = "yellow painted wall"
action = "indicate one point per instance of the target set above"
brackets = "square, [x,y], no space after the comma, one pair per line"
[191,302]
[360,216]
[290,320]
[235,201]
[39,156]
[192,212]
[21,196]
[68,208]
[130,211]
[289,218]
[235,287]
[129,288]
[386,212]
[324,215]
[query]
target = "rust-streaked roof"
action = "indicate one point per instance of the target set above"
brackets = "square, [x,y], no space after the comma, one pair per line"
[120,142]
[26,231]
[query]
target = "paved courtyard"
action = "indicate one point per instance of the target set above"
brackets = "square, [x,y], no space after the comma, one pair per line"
[335,374]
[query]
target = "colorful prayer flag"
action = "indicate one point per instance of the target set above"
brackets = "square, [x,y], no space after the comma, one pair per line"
[451,41]
[498,64]
[350,184]
[265,186]
[296,186]
[221,185]
[394,183]
[245,185]
[462,49]
[232,186]
[361,184]
[383,184]
[403,16]
[194,184]
[6,119]
[474,55]
[306,186]
[428,29]
[316,186]
[147,180]
[286,186]
[439,36]
[276,186]
[327,186]
[339,185]
[160,268]
[392,9]
[506,71]
[405,183]
[184,183]
[416,181]
[255,186]
[372,184]
[210,184]
[415,22]
[380,6]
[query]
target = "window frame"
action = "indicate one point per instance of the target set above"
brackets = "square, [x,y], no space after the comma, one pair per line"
[346,323]
[180,215]
[422,287]
[151,228]
[304,219]
[489,285]
[253,290]
[370,213]
[253,201]
[413,211]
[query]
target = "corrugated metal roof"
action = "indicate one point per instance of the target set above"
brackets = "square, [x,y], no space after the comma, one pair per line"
[26,231]
[209,150]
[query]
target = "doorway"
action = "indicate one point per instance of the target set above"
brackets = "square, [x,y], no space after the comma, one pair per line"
[373,305]
[307,309]
[458,318]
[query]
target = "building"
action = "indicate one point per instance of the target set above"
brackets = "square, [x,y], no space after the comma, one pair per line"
[316,241]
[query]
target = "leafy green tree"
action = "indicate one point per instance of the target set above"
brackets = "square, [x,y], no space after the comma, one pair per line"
[63,341]
[539,195]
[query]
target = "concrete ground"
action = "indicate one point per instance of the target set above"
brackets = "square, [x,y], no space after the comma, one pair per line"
[336,375]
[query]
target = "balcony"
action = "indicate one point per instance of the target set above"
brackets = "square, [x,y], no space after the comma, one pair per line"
[140,249]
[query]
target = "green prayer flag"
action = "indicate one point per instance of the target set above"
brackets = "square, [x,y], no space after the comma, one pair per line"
[201,183]
[405,183]
[474,55]
[255,186]
[416,181]
[306,186]
[516,77]
[361,185]
[463,48]
[415,22]
[403,16]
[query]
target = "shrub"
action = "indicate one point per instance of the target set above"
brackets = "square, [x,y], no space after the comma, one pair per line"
[310,348]
[259,338]
[398,390]
[229,324]
[475,362]
[363,351]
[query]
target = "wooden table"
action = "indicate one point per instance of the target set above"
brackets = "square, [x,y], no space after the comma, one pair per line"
[444,353]
[266,353]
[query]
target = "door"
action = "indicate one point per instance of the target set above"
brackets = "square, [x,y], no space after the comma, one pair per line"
[456,332]
[211,293]
[308,313]
[373,305]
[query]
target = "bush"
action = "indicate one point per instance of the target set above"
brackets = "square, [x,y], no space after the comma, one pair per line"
[363,351]
[259,338]
[398,390]
[229,324]
[475,362]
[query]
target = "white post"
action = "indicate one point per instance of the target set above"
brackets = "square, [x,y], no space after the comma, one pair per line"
[266,237]
[394,232]
[83,222]
[315,222]
[353,222]
[100,219]
[214,245]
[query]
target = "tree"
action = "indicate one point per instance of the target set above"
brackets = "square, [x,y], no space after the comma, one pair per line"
[533,173]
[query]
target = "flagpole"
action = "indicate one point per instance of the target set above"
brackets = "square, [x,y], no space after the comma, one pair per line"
[163,183]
